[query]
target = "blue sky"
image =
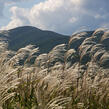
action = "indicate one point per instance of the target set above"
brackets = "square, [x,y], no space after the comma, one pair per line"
[62,16]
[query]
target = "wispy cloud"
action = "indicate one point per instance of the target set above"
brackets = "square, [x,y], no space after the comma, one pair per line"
[4,3]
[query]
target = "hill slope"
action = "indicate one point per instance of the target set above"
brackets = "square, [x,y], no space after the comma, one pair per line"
[22,36]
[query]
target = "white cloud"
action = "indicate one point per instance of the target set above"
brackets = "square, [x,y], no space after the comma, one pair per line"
[4,3]
[52,14]
[64,16]
[13,23]
[18,19]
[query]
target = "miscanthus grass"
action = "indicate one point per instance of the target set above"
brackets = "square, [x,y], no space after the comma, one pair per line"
[7,85]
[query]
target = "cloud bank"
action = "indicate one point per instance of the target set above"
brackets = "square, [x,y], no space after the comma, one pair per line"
[63,16]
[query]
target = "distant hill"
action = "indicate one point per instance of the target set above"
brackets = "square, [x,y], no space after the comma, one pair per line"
[22,36]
